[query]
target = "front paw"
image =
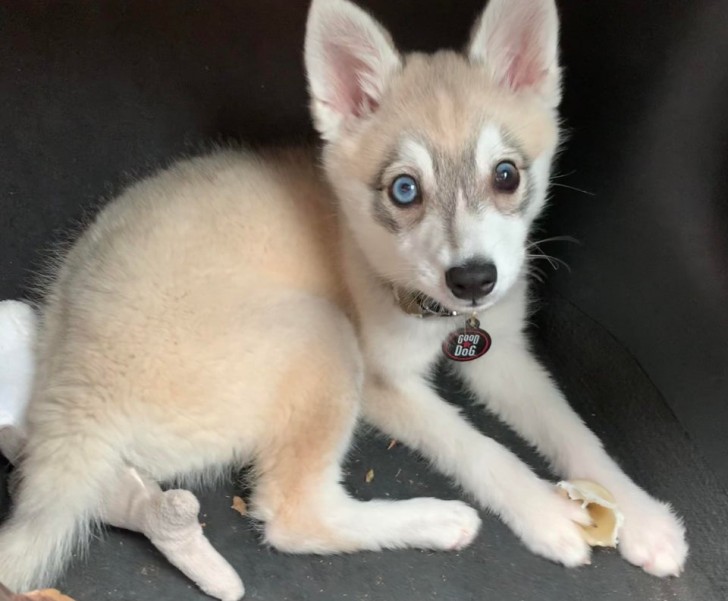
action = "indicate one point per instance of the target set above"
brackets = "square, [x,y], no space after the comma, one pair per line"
[653,538]
[547,525]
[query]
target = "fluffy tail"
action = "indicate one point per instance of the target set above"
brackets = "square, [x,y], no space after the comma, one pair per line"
[58,497]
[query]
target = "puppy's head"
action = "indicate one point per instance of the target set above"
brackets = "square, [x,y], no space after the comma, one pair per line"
[440,162]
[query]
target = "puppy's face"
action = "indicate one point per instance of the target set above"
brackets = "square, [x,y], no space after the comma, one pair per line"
[441,162]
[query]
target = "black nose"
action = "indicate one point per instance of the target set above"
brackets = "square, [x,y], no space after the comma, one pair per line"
[473,280]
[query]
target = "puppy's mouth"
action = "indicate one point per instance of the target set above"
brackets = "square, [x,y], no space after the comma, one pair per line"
[472,306]
[467,307]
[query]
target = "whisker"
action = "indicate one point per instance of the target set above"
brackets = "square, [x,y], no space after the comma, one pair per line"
[553,239]
[536,273]
[555,262]
[558,185]
[548,258]
[561,175]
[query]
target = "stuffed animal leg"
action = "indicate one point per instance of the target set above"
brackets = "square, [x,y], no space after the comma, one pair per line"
[18,325]
[168,519]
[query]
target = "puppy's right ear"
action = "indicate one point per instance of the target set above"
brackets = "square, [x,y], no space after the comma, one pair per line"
[349,61]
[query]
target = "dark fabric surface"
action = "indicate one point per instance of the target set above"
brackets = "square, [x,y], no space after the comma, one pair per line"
[95,94]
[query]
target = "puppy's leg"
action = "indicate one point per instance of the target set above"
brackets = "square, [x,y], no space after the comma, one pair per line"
[298,492]
[515,387]
[413,413]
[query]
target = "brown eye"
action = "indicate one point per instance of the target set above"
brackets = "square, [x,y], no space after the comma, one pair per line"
[506,177]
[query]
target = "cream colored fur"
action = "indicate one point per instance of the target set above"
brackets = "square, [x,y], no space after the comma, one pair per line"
[238,308]
[205,325]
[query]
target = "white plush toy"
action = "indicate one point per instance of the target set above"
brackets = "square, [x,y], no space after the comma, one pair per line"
[168,519]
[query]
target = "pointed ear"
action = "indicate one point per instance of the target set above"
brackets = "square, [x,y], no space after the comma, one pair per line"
[349,60]
[517,41]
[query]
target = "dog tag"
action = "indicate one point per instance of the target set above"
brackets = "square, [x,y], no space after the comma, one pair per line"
[468,343]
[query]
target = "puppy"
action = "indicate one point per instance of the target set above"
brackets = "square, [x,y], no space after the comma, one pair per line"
[249,309]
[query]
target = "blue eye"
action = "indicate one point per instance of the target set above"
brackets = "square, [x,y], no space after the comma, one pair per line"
[404,190]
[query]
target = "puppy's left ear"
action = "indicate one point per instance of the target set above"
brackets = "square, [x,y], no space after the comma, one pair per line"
[517,41]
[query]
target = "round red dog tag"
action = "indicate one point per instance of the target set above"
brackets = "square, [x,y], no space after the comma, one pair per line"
[468,343]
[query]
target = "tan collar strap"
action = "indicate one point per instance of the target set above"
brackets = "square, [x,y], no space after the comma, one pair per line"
[419,304]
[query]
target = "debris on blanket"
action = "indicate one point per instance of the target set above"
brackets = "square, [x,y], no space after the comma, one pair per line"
[239,505]
[369,477]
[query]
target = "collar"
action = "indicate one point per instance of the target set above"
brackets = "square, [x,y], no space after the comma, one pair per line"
[419,304]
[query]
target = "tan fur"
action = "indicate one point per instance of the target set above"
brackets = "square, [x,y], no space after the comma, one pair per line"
[175,323]
[316,407]
[199,282]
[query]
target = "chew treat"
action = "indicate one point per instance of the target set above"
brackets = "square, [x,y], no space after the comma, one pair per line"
[602,508]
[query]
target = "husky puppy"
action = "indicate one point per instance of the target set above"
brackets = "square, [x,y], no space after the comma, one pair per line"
[249,309]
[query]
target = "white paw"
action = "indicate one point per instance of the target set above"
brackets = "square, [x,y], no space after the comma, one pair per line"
[653,538]
[225,588]
[547,525]
[445,525]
